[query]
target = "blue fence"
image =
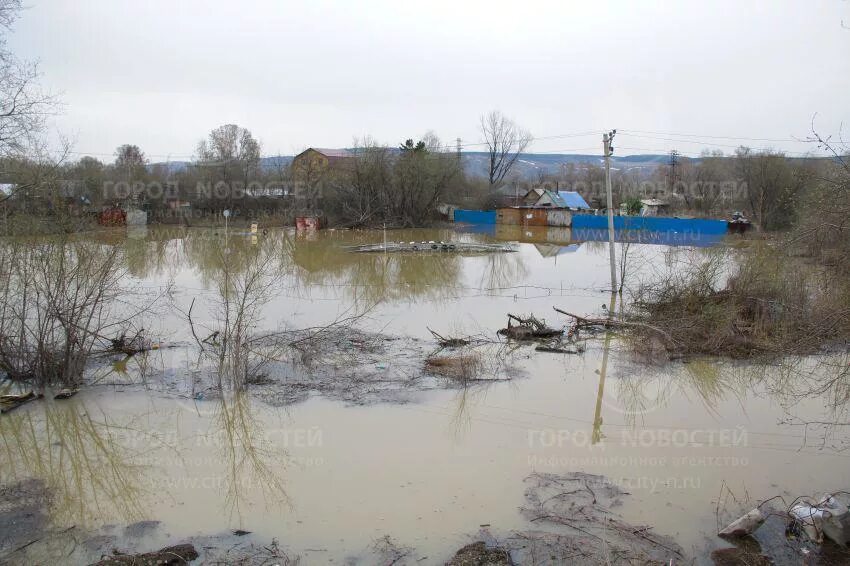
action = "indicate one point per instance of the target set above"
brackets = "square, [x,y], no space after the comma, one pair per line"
[475,216]
[651,223]
[658,237]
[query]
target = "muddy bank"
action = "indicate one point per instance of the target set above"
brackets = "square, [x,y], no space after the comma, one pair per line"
[23,514]
[571,518]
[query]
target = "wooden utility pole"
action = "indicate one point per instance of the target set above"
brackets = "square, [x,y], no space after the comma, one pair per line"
[607,139]
[674,161]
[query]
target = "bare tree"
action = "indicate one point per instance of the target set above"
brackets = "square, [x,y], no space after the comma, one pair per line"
[773,186]
[130,162]
[379,188]
[23,105]
[231,144]
[232,152]
[505,142]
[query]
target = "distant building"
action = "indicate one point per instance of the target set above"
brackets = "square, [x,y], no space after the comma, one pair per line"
[556,199]
[318,159]
[653,207]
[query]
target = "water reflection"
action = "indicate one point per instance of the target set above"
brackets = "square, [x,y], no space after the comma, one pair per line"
[90,464]
[250,461]
[320,262]
[597,435]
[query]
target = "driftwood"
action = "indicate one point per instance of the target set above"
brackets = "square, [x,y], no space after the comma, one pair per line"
[529,328]
[555,350]
[65,394]
[12,402]
[130,346]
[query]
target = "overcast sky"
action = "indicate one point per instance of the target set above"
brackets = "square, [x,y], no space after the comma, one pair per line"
[161,74]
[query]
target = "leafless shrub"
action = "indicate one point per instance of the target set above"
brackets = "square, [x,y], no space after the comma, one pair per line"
[763,305]
[57,300]
[231,341]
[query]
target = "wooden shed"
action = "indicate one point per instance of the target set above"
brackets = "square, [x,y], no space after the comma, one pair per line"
[534,216]
[559,217]
[508,216]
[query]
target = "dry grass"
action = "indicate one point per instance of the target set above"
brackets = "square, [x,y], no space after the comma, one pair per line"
[464,367]
[768,305]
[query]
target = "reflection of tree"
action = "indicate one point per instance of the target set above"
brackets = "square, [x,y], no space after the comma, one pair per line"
[148,254]
[466,398]
[212,252]
[798,379]
[707,381]
[248,457]
[502,270]
[86,463]
[320,260]
[370,277]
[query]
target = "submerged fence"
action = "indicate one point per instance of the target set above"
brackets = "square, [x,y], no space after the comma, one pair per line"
[651,223]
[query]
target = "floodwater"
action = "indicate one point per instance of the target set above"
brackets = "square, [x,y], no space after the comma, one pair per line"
[327,477]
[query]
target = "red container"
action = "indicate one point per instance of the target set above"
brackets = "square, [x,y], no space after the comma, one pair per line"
[112,216]
[307,223]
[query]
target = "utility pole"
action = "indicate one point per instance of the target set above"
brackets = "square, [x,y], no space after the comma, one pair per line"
[674,161]
[458,152]
[607,140]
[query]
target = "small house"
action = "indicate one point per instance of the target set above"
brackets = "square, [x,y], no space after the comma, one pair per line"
[559,199]
[532,196]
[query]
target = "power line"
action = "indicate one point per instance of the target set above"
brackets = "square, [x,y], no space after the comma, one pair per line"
[704,143]
[717,137]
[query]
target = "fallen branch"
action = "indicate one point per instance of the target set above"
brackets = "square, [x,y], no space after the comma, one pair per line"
[15,401]
[582,321]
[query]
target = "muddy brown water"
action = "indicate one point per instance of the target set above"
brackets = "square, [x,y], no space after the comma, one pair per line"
[327,477]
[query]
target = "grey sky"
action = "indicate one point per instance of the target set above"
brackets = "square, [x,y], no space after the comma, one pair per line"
[161,74]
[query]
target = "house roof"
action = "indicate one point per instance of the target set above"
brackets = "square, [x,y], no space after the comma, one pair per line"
[327,152]
[573,199]
[567,199]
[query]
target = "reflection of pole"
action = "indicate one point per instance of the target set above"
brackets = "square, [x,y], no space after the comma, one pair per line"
[226,216]
[596,436]
[606,141]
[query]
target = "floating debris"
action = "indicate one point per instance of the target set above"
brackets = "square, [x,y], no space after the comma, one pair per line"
[433,246]
[529,328]
[744,525]
[11,402]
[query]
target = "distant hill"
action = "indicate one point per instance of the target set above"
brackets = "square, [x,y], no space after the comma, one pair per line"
[529,165]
